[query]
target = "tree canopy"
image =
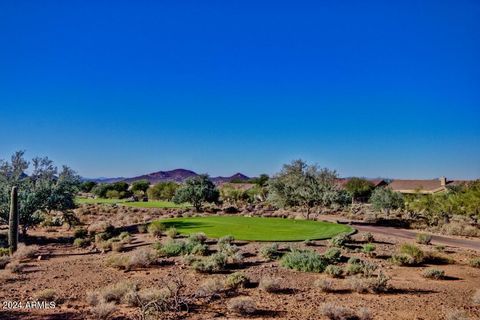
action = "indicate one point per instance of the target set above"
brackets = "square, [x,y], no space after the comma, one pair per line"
[359,188]
[196,191]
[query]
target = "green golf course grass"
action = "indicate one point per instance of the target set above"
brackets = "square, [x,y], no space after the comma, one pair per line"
[137,204]
[257,229]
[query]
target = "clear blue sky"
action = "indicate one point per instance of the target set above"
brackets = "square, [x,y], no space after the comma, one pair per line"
[369,88]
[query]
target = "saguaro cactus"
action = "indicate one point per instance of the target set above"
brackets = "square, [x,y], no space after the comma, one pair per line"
[13,221]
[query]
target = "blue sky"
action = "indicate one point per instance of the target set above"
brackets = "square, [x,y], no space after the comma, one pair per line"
[369,88]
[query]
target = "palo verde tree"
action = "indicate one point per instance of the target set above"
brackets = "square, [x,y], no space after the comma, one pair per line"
[385,199]
[140,186]
[196,191]
[306,186]
[43,191]
[359,188]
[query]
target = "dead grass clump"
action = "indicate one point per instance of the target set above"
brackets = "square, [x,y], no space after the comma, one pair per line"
[117,246]
[236,280]
[271,285]
[242,305]
[376,284]
[433,274]
[142,258]
[336,312]
[26,252]
[15,267]
[103,310]
[456,315]
[325,285]
[460,229]
[46,295]
[211,288]
[116,292]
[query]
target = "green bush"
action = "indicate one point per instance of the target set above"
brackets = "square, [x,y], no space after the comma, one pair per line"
[423,238]
[270,251]
[172,232]
[304,260]
[368,248]
[340,241]
[171,248]
[81,242]
[156,228]
[334,271]
[4,252]
[199,249]
[228,239]
[408,254]
[199,237]
[80,233]
[214,263]
[475,262]
[236,280]
[333,255]
[434,274]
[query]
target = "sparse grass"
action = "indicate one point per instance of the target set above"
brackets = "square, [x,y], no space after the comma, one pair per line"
[103,310]
[368,237]
[476,297]
[81,242]
[172,232]
[210,288]
[369,249]
[214,263]
[408,255]
[423,238]
[4,260]
[156,229]
[433,274]
[242,305]
[304,260]
[271,285]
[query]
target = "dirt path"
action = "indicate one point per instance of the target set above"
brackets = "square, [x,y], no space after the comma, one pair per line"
[408,234]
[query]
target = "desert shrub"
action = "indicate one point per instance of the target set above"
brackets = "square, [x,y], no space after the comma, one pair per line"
[125,237]
[142,258]
[304,260]
[423,238]
[236,280]
[118,261]
[80,233]
[460,229]
[270,252]
[117,291]
[333,255]
[325,285]
[103,310]
[4,260]
[242,305]
[172,232]
[340,241]
[335,312]
[334,271]
[103,245]
[475,262]
[229,249]
[4,252]
[117,246]
[368,237]
[211,288]
[368,248]
[476,297]
[197,237]
[228,239]
[357,266]
[200,249]
[26,252]
[439,248]
[46,295]
[81,242]
[408,254]
[214,263]
[435,258]
[156,228]
[373,285]
[269,284]
[434,274]
[171,248]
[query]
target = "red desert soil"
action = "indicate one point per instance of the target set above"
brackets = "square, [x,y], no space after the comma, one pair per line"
[71,272]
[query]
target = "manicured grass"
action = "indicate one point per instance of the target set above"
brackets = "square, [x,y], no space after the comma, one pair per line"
[257,229]
[138,204]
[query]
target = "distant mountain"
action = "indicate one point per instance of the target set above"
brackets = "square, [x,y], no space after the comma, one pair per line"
[177,175]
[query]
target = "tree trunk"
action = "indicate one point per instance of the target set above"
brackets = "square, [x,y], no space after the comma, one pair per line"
[13,221]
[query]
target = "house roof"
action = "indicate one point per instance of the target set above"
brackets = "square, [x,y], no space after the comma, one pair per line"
[421,186]
[341,182]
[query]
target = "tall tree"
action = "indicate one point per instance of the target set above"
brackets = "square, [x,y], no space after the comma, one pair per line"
[306,186]
[196,191]
[359,188]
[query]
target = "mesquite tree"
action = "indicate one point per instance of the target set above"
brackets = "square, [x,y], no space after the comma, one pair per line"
[43,191]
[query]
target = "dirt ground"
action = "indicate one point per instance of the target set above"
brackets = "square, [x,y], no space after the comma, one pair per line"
[71,272]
